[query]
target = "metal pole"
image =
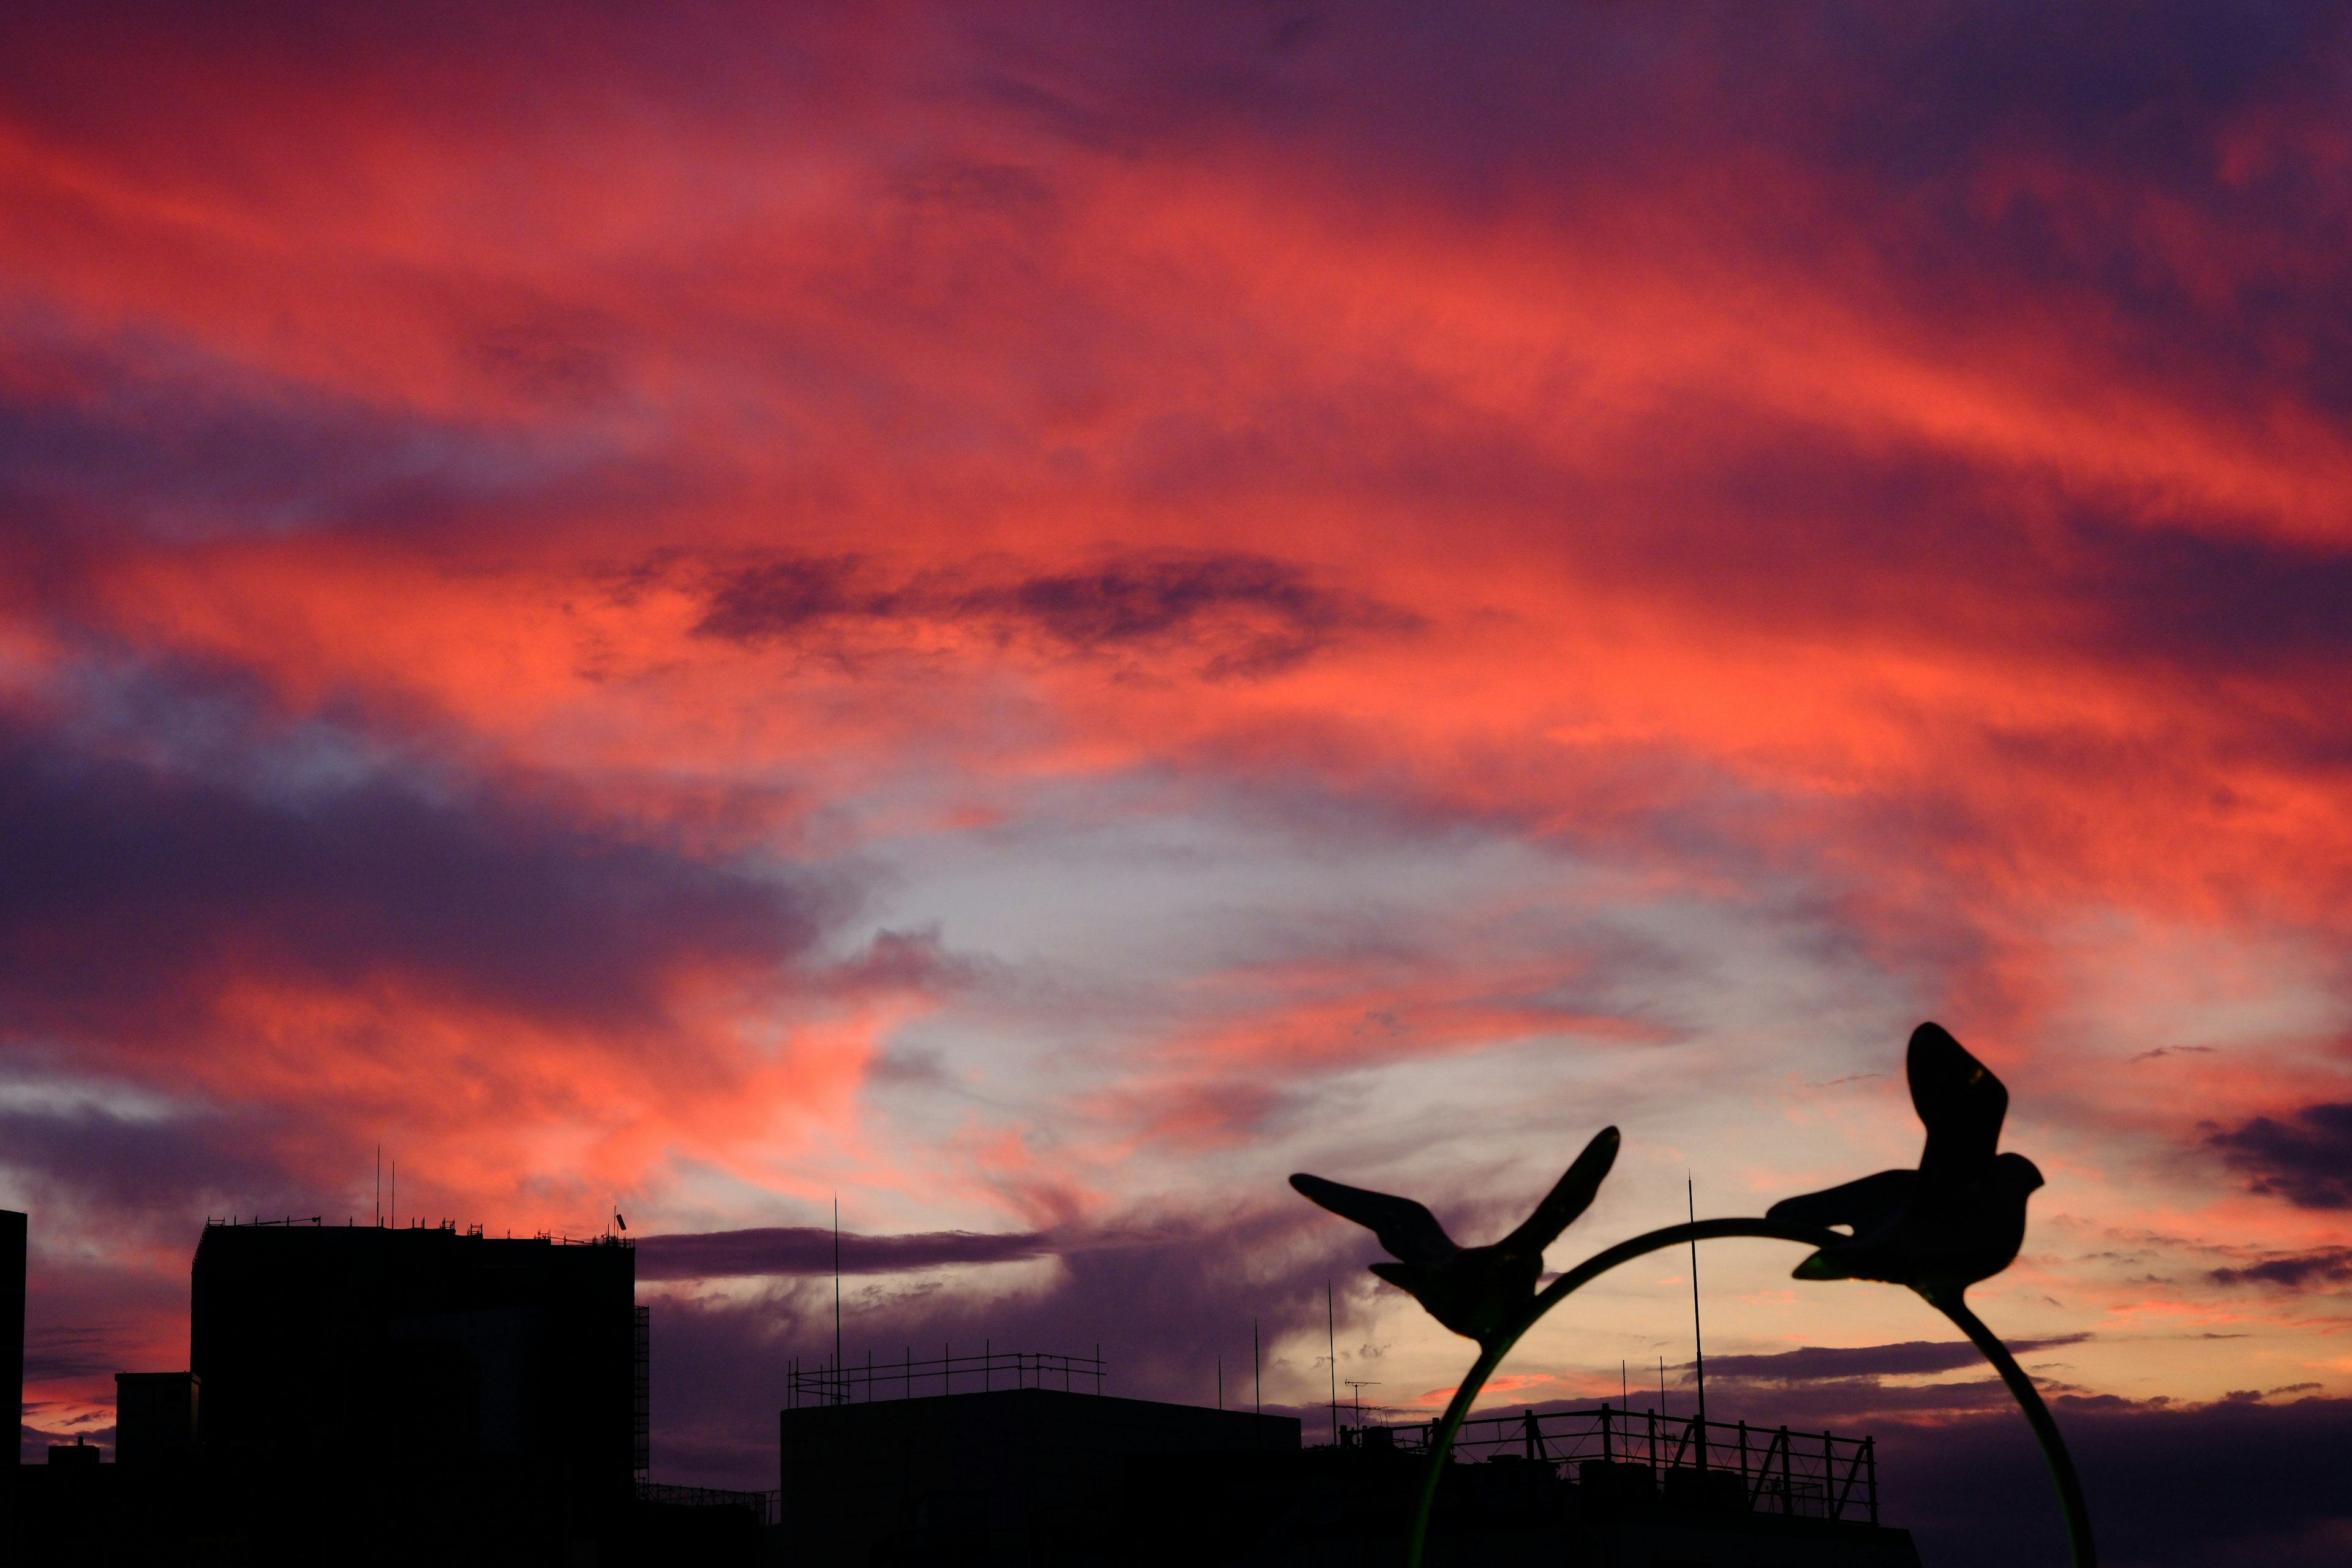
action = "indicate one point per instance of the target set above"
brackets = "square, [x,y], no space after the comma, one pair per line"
[1332,1327]
[1698,1340]
[842,1392]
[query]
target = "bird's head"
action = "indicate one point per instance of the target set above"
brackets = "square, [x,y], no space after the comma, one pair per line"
[2015,1176]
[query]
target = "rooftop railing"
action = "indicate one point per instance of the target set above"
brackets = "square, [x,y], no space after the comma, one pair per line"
[766,1506]
[945,1374]
[1778,1469]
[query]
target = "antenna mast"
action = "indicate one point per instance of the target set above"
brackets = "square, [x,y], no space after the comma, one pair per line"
[1698,1340]
[840,1372]
[1332,1327]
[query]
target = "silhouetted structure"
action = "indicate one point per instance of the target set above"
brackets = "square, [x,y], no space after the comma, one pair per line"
[1025,1473]
[374,1352]
[155,1418]
[1592,1488]
[365,1395]
[12,1311]
[877,1465]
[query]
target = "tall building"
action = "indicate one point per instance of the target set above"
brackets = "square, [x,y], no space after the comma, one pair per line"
[11,1307]
[369,1395]
[370,1352]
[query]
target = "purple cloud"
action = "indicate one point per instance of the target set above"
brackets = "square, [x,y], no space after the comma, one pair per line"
[2329,1265]
[1244,614]
[801,1250]
[2307,1159]
[133,887]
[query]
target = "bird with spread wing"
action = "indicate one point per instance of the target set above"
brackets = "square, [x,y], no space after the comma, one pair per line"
[1960,1216]
[1482,1293]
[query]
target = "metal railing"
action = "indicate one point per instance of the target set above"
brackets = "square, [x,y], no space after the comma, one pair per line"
[945,1374]
[768,1506]
[1778,1469]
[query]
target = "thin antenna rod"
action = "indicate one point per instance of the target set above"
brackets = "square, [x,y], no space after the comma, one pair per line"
[1698,1340]
[395,1194]
[1332,1325]
[1662,1385]
[379,1186]
[1257,1375]
[1624,1389]
[839,1371]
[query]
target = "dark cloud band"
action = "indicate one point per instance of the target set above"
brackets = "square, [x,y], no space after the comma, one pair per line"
[787,1250]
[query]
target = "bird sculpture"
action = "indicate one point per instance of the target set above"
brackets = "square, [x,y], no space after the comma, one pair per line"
[1482,1293]
[1960,1217]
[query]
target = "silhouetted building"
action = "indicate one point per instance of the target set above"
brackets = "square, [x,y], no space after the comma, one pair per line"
[1010,1472]
[371,1396]
[12,1309]
[369,1352]
[889,1464]
[155,1418]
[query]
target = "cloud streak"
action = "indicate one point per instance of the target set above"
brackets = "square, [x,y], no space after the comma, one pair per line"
[792,1250]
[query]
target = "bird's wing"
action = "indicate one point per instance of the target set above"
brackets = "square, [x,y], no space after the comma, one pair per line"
[1960,1102]
[1409,1231]
[1568,1197]
[1857,1204]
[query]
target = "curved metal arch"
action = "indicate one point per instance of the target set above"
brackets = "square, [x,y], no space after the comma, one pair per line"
[2020,1387]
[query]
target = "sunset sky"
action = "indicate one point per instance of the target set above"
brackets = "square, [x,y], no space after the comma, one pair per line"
[1039,616]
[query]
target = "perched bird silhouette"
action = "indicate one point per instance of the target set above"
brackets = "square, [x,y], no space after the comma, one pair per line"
[1480,1292]
[1960,1216]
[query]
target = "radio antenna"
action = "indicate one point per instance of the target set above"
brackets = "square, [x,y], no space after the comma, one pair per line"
[1332,1326]
[1698,1340]
[838,1366]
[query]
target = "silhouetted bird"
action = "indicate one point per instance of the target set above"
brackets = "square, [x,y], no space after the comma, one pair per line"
[1960,1216]
[1480,1292]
